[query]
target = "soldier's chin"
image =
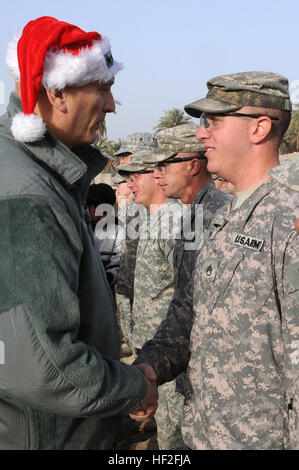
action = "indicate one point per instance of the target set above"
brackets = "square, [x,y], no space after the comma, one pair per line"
[169,194]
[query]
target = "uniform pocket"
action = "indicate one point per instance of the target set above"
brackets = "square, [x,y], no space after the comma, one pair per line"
[242,286]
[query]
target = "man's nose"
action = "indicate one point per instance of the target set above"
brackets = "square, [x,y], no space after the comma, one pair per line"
[157,174]
[131,182]
[109,103]
[202,133]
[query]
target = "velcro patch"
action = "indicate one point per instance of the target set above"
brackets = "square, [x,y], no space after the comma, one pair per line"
[108,59]
[292,274]
[247,241]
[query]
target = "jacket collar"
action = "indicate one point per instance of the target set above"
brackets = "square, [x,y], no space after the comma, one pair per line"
[200,195]
[79,165]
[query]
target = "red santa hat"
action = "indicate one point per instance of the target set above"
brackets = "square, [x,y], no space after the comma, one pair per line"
[54,54]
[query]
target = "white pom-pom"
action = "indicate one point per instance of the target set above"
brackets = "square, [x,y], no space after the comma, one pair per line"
[28,127]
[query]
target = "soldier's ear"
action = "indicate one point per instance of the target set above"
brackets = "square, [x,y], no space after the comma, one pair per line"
[195,166]
[260,129]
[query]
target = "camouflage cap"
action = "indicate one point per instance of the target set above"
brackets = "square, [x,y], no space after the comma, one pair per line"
[161,156]
[136,142]
[137,163]
[287,173]
[117,179]
[150,158]
[229,93]
[179,139]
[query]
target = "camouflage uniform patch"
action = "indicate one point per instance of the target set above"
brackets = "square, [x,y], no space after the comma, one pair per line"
[287,173]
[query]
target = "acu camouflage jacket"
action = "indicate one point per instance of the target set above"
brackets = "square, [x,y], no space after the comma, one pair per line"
[242,387]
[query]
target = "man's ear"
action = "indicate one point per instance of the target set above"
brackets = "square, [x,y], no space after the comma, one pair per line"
[195,167]
[57,99]
[260,129]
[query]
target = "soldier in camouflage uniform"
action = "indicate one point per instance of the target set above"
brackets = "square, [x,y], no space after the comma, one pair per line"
[122,192]
[243,370]
[184,175]
[153,285]
[125,285]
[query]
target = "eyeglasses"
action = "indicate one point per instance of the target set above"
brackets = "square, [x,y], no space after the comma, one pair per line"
[136,173]
[160,165]
[203,121]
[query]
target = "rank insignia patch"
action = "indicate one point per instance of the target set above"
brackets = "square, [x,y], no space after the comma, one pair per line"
[209,269]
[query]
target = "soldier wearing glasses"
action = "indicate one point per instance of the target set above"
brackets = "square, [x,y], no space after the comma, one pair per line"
[125,284]
[184,175]
[153,282]
[243,368]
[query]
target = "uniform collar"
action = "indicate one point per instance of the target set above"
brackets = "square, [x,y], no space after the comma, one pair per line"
[239,217]
[200,195]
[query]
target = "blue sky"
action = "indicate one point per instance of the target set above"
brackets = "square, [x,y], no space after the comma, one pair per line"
[170,48]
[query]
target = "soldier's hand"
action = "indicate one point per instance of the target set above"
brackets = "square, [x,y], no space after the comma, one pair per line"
[297,225]
[150,402]
[147,371]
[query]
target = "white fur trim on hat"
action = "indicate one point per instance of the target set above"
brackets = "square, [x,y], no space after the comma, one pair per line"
[63,69]
[28,128]
[12,57]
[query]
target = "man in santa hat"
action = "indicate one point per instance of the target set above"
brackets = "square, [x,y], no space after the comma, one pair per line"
[61,383]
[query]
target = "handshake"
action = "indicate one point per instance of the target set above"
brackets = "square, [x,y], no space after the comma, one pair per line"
[150,402]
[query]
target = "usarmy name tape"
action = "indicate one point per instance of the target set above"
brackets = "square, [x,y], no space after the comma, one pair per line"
[247,241]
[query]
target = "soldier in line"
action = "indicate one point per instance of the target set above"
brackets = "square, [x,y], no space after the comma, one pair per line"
[153,284]
[122,193]
[125,285]
[107,232]
[184,176]
[242,387]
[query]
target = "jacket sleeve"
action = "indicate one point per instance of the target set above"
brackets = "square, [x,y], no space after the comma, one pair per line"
[46,366]
[169,351]
[289,305]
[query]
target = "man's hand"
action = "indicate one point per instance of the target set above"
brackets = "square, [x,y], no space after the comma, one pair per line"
[150,402]
[297,225]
